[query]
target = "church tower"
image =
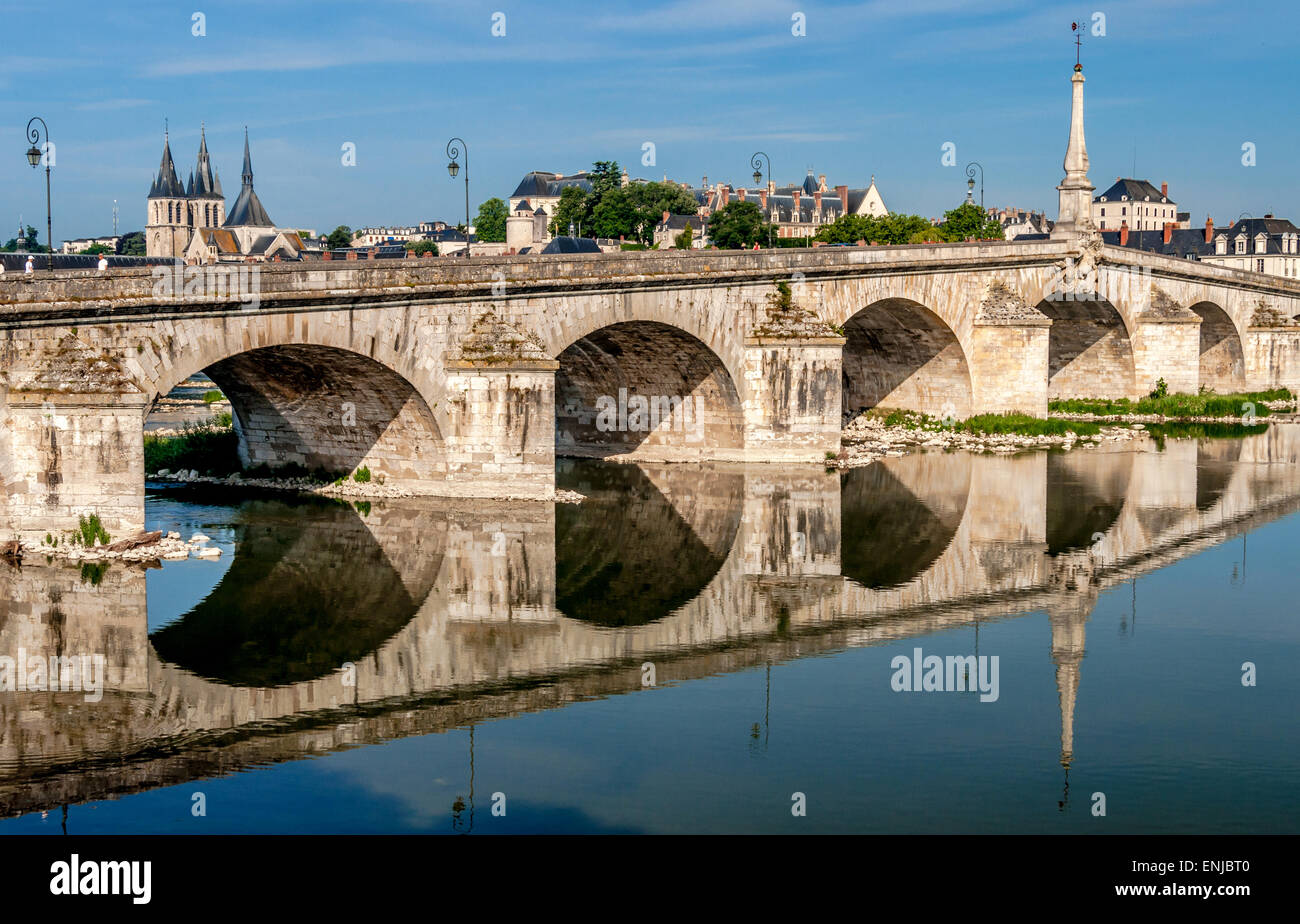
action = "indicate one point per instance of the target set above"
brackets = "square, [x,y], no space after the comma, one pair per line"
[167,227]
[207,202]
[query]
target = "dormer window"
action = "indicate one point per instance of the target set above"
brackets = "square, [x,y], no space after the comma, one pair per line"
[1241,244]
[1220,244]
[1261,243]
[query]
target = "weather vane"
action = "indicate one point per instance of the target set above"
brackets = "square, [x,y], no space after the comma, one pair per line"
[1078,41]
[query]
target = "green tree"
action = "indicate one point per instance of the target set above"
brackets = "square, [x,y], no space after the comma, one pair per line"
[132,244]
[657,198]
[968,220]
[31,246]
[339,237]
[683,240]
[574,207]
[95,249]
[882,229]
[423,247]
[737,225]
[605,177]
[490,225]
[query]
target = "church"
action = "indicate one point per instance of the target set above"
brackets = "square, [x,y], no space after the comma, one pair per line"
[189,221]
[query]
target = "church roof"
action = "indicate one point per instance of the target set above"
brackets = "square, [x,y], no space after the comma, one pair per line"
[248,210]
[166,185]
[810,184]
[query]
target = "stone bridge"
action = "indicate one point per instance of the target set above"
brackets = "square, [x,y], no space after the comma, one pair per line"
[466,611]
[469,377]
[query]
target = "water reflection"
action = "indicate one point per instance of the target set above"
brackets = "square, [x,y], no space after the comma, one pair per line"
[334,626]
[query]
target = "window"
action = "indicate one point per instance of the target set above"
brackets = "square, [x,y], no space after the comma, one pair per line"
[1241,245]
[1124,211]
[1259,266]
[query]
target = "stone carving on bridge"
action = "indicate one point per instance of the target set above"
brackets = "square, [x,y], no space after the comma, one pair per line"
[492,343]
[1077,278]
[1004,305]
[68,366]
[1268,314]
[1160,306]
[781,320]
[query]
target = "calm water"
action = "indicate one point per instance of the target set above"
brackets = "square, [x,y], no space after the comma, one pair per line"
[687,650]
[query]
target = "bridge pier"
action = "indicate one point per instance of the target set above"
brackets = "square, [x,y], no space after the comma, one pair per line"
[794,398]
[1009,367]
[1272,357]
[1167,346]
[72,455]
[500,440]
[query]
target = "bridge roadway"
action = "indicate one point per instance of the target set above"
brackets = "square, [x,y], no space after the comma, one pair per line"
[477,609]
[469,377]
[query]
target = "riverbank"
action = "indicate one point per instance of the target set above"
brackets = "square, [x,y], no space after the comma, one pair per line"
[877,434]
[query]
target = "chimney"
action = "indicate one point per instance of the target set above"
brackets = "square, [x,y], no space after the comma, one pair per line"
[665,216]
[1164,190]
[844,199]
[1169,231]
[817,202]
[741,192]
[794,212]
[726,194]
[821,182]
[1209,230]
[762,195]
[1123,234]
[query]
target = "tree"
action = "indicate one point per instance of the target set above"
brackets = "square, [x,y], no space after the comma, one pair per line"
[339,237]
[878,229]
[968,220]
[737,225]
[683,240]
[423,247]
[30,247]
[605,176]
[490,225]
[573,208]
[94,249]
[132,244]
[657,198]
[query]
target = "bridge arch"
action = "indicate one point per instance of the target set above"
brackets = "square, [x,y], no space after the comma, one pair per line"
[901,354]
[1089,349]
[1223,359]
[308,402]
[648,389]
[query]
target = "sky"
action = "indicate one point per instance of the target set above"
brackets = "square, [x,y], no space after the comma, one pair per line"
[875,88]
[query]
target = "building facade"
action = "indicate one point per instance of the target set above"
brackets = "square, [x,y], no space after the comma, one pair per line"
[1136,203]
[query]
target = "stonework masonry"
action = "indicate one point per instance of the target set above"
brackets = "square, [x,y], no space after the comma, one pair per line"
[468,377]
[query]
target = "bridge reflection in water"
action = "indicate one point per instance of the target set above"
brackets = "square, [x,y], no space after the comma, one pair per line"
[454,612]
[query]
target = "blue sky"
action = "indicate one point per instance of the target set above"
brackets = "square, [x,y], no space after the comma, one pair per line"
[872,88]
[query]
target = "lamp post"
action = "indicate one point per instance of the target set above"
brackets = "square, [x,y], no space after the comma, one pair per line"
[453,168]
[34,158]
[757,164]
[970,182]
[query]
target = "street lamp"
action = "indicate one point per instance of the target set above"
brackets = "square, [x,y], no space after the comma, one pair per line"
[970,182]
[453,168]
[758,176]
[34,158]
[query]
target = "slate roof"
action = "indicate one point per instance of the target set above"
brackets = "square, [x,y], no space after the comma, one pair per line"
[571,245]
[166,185]
[539,183]
[205,184]
[247,210]
[1136,190]
[1184,241]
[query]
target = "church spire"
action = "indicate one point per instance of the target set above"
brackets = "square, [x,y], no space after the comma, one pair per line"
[248,161]
[166,184]
[1075,212]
